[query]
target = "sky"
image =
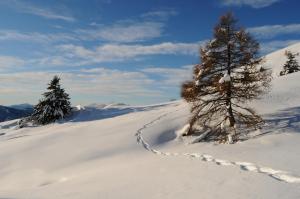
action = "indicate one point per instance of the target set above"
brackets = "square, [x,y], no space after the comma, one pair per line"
[129,51]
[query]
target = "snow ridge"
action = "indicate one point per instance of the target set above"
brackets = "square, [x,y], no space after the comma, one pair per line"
[245,166]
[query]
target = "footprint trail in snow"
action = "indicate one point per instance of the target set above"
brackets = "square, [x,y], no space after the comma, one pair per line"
[246,166]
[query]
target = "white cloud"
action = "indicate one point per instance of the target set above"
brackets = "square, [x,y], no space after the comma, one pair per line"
[123,32]
[144,27]
[28,8]
[35,36]
[10,62]
[77,55]
[96,83]
[271,31]
[271,46]
[252,3]
[116,52]
[171,77]
[101,82]
[160,14]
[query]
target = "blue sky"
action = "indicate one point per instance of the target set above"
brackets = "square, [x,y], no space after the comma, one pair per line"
[133,51]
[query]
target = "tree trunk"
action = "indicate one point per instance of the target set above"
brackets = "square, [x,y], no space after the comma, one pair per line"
[228,93]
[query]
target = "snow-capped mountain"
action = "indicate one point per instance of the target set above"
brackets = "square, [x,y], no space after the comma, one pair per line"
[134,152]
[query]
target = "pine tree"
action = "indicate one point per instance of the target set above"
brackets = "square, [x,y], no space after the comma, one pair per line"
[291,64]
[228,77]
[54,106]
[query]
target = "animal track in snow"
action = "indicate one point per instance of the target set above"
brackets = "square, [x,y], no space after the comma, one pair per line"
[246,166]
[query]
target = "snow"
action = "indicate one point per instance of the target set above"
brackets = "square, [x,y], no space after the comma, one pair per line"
[277,59]
[226,78]
[200,73]
[119,151]
[200,137]
[223,29]
[183,130]
[79,107]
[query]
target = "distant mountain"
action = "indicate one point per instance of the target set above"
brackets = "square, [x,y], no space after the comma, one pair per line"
[111,105]
[9,113]
[22,106]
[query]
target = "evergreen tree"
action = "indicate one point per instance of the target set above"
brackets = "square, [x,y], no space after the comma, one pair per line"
[291,64]
[54,106]
[229,76]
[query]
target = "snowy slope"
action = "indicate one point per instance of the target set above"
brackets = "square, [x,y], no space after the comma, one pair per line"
[277,59]
[285,92]
[120,151]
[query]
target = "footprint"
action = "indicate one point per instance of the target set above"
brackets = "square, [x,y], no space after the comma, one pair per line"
[195,155]
[223,162]
[45,183]
[243,163]
[249,168]
[269,170]
[208,158]
[155,151]
[49,182]
[246,166]
[286,178]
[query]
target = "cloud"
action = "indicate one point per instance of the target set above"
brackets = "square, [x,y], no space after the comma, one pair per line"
[171,77]
[35,36]
[100,82]
[271,31]
[271,46]
[10,62]
[28,8]
[252,3]
[144,27]
[160,14]
[124,32]
[118,52]
[61,50]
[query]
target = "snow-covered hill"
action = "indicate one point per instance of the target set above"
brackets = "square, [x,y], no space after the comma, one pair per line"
[122,151]
[277,59]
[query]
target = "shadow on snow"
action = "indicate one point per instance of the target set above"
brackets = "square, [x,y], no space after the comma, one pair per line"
[286,120]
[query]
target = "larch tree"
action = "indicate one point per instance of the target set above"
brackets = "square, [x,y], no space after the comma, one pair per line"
[229,75]
[55,104]
[291,64]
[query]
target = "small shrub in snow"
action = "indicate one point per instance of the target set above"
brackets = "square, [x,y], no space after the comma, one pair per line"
[54,106]
[291,64]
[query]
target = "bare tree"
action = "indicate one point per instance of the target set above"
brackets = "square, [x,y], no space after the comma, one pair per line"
[229,76]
